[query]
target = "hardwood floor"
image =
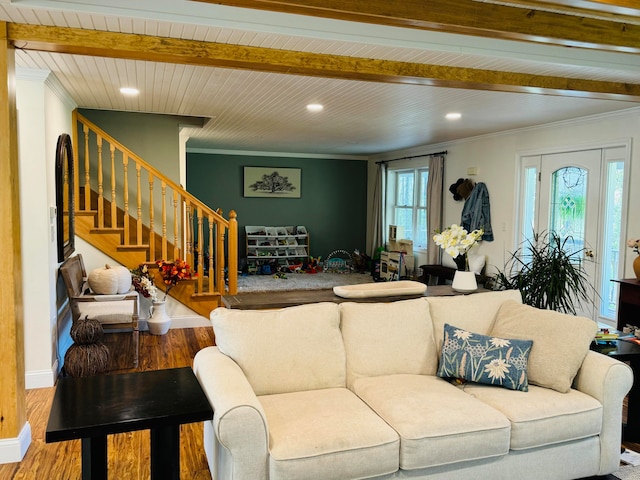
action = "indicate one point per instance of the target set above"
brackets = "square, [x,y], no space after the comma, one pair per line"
[128,452]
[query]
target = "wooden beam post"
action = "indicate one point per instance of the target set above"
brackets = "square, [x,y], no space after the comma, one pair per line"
[13,416]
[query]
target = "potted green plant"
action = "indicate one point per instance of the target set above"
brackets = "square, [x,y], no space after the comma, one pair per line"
[548,274]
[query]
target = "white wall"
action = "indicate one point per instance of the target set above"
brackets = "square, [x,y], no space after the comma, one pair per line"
[43,114]
[495,156]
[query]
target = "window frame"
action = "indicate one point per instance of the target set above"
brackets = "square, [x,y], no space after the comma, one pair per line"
[392,190]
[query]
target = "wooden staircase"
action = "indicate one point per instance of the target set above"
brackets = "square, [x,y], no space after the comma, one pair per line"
[129,236]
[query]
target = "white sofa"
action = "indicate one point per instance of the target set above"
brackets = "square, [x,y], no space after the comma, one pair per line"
[350,391]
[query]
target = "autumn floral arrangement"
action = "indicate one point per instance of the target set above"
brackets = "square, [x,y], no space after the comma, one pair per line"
[142,281]
[173,272]
[456,241]
[634,245]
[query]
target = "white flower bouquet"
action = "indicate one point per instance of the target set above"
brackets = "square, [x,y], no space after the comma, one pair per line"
[456,241]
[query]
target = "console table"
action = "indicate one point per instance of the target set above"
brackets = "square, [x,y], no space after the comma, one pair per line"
[90,408]
[628,302]
[627,352]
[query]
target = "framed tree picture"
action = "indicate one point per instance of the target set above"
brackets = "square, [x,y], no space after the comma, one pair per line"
[274,182]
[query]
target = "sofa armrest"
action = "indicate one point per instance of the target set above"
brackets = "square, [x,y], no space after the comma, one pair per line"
[239,448]
[608,381]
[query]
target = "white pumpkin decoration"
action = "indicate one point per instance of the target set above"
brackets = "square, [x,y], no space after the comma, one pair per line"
[110,280]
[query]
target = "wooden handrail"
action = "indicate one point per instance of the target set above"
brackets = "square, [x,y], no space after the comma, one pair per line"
[176,235]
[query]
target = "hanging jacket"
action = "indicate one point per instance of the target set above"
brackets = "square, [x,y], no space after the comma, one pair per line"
[476,212]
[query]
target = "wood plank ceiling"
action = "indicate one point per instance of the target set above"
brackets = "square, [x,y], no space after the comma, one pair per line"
[252,83]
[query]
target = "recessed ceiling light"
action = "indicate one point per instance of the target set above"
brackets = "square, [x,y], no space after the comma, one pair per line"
[315,107]
[453,116]
[129,91]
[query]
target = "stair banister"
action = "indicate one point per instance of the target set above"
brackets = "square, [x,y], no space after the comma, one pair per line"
[183,207]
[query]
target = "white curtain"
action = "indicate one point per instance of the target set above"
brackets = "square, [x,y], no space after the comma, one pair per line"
[434,206]
[377,226]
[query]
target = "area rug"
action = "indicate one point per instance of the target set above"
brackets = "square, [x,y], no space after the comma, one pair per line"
[628,472]
[299,281]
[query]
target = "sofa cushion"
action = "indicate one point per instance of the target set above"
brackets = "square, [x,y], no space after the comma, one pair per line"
[543,416]
[560,342]
[483,359]
[438,424]
[286,350]
[475,312]
[327,434]
[387,338]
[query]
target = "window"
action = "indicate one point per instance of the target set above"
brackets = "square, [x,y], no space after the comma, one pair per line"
[407,204]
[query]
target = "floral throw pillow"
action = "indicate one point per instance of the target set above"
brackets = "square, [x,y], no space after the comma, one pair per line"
[483,359]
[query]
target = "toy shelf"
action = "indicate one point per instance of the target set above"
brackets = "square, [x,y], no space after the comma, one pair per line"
[276,247]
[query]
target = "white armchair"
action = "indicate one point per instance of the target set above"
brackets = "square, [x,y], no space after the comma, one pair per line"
[114,312]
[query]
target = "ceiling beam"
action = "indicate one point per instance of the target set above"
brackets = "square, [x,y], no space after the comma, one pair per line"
[614,10]
[564,24]
[173,50]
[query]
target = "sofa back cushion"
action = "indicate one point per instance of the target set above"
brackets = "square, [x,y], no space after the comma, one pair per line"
[560,342]
[388,338]
[475,313]
[287,350]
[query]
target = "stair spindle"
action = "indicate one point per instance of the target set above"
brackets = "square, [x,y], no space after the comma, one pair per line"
[176,243]
[199,248]
[87,175]
[139,206]
[152,233]
[114,207]
[189,232]
[100,186]
[164,219]
[125,196]
[211,248]
[220,258]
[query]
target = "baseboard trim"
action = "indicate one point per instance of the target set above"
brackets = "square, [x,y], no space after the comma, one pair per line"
[41,378]
[12,450]
[189,321]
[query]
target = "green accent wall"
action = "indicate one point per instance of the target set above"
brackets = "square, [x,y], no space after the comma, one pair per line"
[333,203]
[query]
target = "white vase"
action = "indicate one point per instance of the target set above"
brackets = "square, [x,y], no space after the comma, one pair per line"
[464,282]
[159,322]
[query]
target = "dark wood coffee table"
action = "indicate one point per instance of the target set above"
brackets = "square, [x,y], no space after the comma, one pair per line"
[91,408]
[627,352]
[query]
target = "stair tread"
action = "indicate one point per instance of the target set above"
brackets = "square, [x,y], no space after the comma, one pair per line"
[206,294]
[106,230]
[132,247]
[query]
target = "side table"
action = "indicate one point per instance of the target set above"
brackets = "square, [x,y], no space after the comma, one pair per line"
[90,408]
[627,352]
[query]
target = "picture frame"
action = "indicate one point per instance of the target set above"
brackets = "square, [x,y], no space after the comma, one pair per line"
[272,182]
